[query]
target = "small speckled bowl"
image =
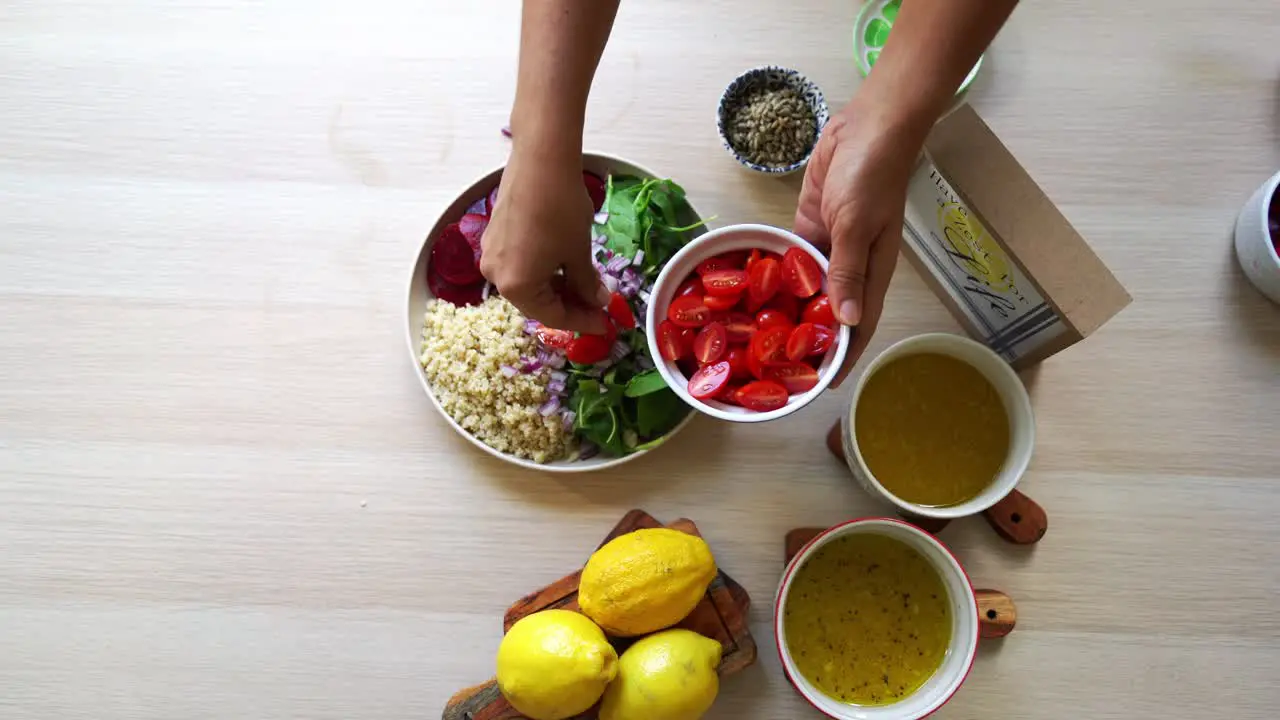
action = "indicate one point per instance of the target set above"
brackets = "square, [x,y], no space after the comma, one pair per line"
[770,76]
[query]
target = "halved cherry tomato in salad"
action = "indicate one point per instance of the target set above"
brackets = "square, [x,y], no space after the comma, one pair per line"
[737,359]
[738,326]
[762,395]
[729,281]
[689,311]
[772,319]
[770,346]
[720,303]
[710,381]
[553,338]
[762,283]
[800,341]
[755,366]
[674,342]
[620,312]
[796,377]
[709,345]
[692,285]
[787,304]
[752,259]
[588,349]
[801,273]
[730,394]
[725,261]
[819,312]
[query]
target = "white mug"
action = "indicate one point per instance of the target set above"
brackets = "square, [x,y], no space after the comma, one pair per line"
[957,661]
[1256,252]
[1017,405]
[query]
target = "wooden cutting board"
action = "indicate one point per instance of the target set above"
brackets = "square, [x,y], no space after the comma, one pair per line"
[721,615]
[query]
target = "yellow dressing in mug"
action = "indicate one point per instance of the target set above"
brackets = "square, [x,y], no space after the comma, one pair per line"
[868,619]
[932,429]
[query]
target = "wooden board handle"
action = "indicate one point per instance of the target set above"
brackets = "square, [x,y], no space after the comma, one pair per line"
[997,615]
[482,702]
[1018,519]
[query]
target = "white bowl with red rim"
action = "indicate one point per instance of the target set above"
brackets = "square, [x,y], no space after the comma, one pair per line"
[683,265]
[480,194]
[957,661]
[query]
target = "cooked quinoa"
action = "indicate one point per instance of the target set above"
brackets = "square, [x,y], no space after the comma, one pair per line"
[463,349]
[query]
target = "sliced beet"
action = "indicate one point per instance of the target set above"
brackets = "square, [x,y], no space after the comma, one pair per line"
[595,188]
[452,258]
[472,227]
[479,207]
[493,199]
[457,294]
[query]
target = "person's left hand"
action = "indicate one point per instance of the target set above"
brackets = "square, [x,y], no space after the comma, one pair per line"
[852,206]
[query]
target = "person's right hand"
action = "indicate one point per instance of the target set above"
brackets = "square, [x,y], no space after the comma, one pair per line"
[537,247]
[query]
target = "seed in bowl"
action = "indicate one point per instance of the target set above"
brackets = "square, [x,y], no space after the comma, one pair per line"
[750,328]
[773,127]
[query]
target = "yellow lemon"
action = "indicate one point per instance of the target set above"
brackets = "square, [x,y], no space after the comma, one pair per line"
[645,581]
[670,675]
[554,664]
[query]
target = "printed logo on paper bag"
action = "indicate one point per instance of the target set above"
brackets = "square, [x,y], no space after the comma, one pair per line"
[995,296]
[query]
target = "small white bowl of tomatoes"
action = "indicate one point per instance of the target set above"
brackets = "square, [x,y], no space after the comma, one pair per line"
[740,326]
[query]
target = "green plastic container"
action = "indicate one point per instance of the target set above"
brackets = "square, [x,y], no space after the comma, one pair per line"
[871,32]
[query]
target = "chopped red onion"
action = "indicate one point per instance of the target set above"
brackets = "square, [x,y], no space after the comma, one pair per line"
[555,361]
[638,259]
[530,365]
[600,218]
[531,326]
[559,376]
[508,371]
[599,240]
[484,293]
[617,263]
[556,387]
[619,350]
[567,417]
[549,408]
[609,281]
[644,296]
[478,208]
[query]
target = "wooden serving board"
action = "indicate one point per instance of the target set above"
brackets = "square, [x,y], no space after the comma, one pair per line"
[721,615]
[997,615]
[1016,518]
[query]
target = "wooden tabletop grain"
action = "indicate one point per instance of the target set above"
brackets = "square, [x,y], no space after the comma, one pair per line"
[223,493]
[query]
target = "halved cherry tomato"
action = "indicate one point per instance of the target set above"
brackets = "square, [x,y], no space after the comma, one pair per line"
[710,380]
[762,283]
[673,343]
[709,345]
[737,359]
[771,319]
[787,304]
[762,395]
[732,260]
[738,326]
[588,349]
[753,258]
[826,336]
[729,281]
[730,393]
[720,303]
[610,329]
[620,311]
[796,377]
[754,365]
[801,341]
[692,285]
[801,273]
[689,311]
[770,346]
[553,338]
[819,312]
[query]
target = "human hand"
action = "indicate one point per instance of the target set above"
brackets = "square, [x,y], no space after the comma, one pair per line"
[852,205]
[537,247]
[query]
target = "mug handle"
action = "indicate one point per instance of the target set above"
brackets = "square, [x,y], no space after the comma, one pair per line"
[997,614]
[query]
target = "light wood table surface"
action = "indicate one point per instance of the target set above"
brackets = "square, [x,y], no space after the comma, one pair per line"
[224,495]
